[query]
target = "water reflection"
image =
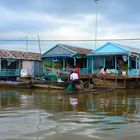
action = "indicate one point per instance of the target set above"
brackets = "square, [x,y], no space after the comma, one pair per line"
[38,115]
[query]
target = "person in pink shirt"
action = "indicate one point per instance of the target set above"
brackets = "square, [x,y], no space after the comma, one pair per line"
[77,70]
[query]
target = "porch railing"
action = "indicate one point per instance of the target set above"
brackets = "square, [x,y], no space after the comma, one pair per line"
[54,71]
[132,72]
[83,71]
[9,72]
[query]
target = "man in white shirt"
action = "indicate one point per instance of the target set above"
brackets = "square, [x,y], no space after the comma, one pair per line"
[74,79]
[73,76]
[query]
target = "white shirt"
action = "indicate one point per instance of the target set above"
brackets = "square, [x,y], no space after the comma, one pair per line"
[73,76]
[102,71]
[107,71]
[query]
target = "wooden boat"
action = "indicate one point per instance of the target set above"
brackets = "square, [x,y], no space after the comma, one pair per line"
[86,85]
[49,87]
[34,83]
[15,84]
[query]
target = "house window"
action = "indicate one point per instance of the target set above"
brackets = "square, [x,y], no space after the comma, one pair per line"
[69,62]
[81,62]
[98,62]
[9,64]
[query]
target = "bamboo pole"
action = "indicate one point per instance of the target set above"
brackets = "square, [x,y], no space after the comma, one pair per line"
[56,70]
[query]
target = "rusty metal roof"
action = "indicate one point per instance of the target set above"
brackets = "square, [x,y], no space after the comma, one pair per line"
[20,55]
[77,49]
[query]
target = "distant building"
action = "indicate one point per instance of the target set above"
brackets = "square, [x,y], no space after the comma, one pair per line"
[117,58]
[64,57]
[11,63]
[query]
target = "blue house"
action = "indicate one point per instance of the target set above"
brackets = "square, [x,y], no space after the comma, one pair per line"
[116,58]
[64,57]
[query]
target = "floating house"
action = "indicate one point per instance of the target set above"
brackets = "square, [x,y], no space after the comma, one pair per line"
[117,58]
[11,63]
[64,57]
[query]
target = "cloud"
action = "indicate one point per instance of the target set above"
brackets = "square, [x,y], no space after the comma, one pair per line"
[73,19]
[57,7]
[33,23]
[122,11]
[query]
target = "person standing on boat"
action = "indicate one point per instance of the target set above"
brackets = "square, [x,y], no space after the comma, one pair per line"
[77,70]
[74,79]
[73,76]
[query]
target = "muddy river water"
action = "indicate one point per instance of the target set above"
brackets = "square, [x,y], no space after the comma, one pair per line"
[44,115]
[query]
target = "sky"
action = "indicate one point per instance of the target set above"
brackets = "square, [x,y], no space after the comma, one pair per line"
[25,20]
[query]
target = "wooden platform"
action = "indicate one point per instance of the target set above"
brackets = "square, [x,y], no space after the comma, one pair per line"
[96,90]
[117,81]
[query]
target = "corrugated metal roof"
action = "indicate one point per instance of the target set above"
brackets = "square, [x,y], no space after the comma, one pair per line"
[78,50]
[62,50]
[112,48]
[20,55]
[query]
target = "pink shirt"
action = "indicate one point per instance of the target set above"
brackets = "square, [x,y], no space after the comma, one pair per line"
[77,70]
